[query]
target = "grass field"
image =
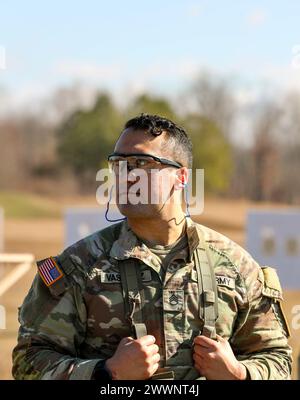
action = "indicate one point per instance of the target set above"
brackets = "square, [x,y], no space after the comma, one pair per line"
[24,205]
[33,225]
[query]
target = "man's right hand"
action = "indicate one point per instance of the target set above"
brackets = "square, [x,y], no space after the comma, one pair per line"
[134,359]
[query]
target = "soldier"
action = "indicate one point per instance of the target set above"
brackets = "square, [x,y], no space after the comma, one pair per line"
[156,296]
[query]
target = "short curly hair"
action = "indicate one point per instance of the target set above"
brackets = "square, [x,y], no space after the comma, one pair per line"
[177,139]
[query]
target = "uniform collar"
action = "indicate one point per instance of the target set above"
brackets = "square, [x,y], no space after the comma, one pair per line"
[129,245]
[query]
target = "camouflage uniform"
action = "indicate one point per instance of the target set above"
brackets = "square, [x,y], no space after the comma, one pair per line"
[68,327]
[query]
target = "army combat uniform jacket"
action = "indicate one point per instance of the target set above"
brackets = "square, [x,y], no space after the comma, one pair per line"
[78,316]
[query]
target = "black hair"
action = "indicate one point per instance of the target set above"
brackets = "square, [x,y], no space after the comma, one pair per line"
[180,146]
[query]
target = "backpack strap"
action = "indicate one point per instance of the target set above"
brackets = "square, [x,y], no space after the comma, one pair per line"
[208,295]
[133,295]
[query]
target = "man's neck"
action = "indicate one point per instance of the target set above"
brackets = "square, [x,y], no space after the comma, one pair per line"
[159,231]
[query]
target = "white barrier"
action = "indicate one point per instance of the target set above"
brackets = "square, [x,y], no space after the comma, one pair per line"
[23,264]
[273,238]
[83,221]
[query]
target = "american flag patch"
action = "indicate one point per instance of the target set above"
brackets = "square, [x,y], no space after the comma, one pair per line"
[49,271]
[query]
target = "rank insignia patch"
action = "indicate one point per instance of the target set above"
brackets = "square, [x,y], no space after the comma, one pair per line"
[173,300]
[49,271]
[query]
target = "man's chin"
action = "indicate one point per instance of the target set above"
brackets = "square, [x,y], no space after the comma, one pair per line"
[136,210]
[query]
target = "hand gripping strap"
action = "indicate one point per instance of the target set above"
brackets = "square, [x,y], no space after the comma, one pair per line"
[134,301]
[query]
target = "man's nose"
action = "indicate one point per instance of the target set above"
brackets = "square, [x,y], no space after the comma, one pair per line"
[131,177]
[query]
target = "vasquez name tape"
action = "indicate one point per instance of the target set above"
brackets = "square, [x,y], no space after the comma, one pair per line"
[115,277]
[49,271]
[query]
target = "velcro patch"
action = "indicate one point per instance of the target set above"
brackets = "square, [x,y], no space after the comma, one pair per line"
[173,300]
[271,278]
[49,271]
[272,287]
[115,277]
[225,281]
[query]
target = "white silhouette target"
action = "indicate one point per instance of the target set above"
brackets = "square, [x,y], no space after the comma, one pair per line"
[273,239]
[83,221]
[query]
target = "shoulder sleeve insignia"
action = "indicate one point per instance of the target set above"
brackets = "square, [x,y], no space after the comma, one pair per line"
[49,271]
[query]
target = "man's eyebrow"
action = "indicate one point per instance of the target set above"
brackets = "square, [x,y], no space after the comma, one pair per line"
[137,153]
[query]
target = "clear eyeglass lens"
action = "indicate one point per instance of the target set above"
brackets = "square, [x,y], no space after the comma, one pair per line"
[116,164]
[144,162]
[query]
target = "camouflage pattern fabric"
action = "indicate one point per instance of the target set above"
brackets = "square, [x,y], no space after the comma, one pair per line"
[67,327]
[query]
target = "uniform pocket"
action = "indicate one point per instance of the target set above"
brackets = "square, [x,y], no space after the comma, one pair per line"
[191,285]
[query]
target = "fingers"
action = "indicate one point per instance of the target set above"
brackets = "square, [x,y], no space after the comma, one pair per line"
[152,365]
[197,358]
[205,347]
[152,350]
[156,358]
[126,340]
[220,339]
[146,340]
[153,369]
[206,342]
[203,350]
[200,363]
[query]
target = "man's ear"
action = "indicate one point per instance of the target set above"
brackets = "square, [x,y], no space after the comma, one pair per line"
[181,178]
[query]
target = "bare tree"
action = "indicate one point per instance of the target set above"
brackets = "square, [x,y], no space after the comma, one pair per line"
[265,152]
[214,100]
[289,143]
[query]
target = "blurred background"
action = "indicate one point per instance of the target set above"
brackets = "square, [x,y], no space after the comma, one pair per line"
[72,73]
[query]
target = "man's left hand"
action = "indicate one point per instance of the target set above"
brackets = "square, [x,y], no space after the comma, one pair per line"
[216,360]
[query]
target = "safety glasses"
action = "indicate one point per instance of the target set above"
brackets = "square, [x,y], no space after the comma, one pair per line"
[117,161]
